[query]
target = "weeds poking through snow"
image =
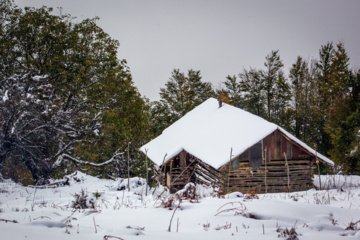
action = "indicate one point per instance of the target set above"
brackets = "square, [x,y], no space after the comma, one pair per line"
[68,225]
[106,237]
[289,234]
[187,193]
[239,210]
[95,224]
[322,198]
[353,226]
[43,203]
[80,200]
[206,226]
[333,221]
[3,190]
[251,195]
[15,209]
[173,216]
[226,226]
[136,228]
[42,217]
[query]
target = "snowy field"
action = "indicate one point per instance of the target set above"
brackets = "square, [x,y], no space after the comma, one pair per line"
[41,214]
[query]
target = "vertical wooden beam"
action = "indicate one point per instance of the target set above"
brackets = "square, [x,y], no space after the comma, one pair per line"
[265,170]
[147,172]
[128,167]
[228,185]
[171,165]
[317,163]
[288,171]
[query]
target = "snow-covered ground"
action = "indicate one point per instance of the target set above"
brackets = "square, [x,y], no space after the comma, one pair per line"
[41,214]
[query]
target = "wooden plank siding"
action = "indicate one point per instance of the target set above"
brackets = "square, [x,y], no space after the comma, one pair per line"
[185,168]
[244,177]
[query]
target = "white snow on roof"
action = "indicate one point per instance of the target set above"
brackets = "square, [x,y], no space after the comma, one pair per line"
[209,133]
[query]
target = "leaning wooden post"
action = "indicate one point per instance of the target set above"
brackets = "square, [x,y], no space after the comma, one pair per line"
[288,174]
[146,166]
[265,170]
[128,166]
[171,165]
[228,185]
[317,163]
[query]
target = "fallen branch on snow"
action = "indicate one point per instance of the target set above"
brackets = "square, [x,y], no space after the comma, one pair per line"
[106,237]
[6,220]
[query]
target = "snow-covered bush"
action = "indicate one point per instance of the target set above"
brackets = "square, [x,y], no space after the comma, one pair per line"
[136,184]
[81,201]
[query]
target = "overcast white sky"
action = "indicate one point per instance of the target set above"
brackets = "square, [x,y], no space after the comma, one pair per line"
[219,38]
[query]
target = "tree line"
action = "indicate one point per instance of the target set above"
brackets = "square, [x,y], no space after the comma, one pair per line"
[67,102]
[317,101]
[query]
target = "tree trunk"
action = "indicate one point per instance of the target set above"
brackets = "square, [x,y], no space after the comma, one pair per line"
[40,174]
[2,160]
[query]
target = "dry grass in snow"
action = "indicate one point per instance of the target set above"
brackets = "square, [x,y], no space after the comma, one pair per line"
[91,208]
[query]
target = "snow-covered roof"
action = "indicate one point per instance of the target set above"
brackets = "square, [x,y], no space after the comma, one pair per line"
[209,133]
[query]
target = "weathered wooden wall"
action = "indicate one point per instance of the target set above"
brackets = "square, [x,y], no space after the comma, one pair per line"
[262,168]
[274,174]
[185,168]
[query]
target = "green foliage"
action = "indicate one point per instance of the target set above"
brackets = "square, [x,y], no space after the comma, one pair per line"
[343,123]
[68,94]
[271,81]
[233,91]
[305,102]
[346,142]
[181,94]
[97,194]
[326,106]
[265,93]
[252,86]
[80,201]
[319,103]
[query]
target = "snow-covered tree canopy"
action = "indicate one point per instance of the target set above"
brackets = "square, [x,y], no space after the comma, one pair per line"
[60,85]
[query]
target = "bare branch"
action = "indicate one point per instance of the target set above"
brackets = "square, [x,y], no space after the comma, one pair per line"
[82,162]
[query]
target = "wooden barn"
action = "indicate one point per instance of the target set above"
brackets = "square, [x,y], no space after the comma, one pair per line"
[225,146]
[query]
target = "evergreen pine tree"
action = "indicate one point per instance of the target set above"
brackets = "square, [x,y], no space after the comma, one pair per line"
[233,91]
[252,86]
[181,94]
[343,119]
[271,77]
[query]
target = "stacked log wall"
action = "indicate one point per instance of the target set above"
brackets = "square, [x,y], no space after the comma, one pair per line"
[280,155]
[185,168]
[245,179]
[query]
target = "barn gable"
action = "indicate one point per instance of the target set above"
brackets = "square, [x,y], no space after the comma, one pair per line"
[274,164]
